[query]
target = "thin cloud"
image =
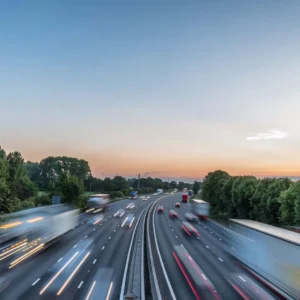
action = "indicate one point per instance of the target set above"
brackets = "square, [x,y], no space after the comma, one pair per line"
[274,134]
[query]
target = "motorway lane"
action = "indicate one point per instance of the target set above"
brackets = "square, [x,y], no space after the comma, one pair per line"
[205,250]
[172,230]
[27,273]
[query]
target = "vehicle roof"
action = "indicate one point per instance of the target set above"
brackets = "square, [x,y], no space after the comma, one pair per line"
[277,232]
[199,201]
[173,211]
[130,215]
[160,206]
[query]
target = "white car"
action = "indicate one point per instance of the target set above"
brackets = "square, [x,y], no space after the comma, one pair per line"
[148,197]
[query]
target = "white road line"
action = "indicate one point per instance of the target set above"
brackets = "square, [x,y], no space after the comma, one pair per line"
[80,284]
[60,259]
[115,230]
[94,261]
[220,259]
[207,247]
[86,236]
[109,238]
[172,229]
[176,236]
[242,278]
[103,247]
[75,246]
[100,224]
[36,281]
[94,229]
[204,276]
[181,245]
[210,232]
[220,239]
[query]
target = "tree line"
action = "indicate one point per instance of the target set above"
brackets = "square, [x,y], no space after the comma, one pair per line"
[274,201]
[29,184]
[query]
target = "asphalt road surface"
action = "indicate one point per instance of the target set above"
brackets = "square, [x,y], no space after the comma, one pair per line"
[110,248]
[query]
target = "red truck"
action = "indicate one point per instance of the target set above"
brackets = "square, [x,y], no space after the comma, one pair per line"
[184,198]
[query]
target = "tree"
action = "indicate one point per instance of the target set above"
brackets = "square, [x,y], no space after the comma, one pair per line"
[226,198]
[33,170]
[196,187]
[288,200]
[51,168]
[18,180]
[212,189]
[71,188]
[120,183]
[173,184]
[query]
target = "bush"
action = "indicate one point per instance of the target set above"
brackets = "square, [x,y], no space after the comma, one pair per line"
[28,203]
[116,195]
[43,200]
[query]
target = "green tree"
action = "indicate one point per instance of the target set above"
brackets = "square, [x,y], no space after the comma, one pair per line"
[18,179]
[120,183]
[71,188]
[51,168]
[288,200]
[229,208]
[212,189]
[196,187]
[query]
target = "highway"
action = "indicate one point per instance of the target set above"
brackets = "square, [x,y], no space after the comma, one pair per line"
[103,245]
[222,278]
[105,259]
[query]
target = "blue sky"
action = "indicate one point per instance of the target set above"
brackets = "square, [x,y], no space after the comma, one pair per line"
[171,86]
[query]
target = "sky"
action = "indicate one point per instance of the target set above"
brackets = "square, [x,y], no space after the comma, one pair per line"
[168,88]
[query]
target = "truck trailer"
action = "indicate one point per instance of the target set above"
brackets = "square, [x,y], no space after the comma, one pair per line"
[184,198]
[200,208]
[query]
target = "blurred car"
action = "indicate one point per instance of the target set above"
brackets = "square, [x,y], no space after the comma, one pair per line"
[128,221]
[189,229]
[167,193]
[173,214]
[119,213]
[95,220]
[148,197]
[155,194]
[247,288]
[177,204]
[160,209]
[130,206]
[190,217]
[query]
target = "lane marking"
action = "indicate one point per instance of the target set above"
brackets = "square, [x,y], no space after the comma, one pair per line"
[207,247]
[204,277]
[86,236]
[220,259]
[176,236]
[242,278]
[75,246]
[94,229]
[109,238]
[94,261]
[115,230]
[36,281]
[80,284]
[103,247]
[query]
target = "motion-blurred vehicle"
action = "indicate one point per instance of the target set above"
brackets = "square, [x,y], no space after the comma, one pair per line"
[130,206]
[190,217]
[167,193]
[119,213]
[97,203]
[128,221]
[155,194]
[247,288]
[95,220]
[189,229]
[159,191]
[200,208]
[101,286]
[160,209]
[200,285]
[177,204]
[65,270]
[133,194]
[173,214]
[148,197]
[184,198]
